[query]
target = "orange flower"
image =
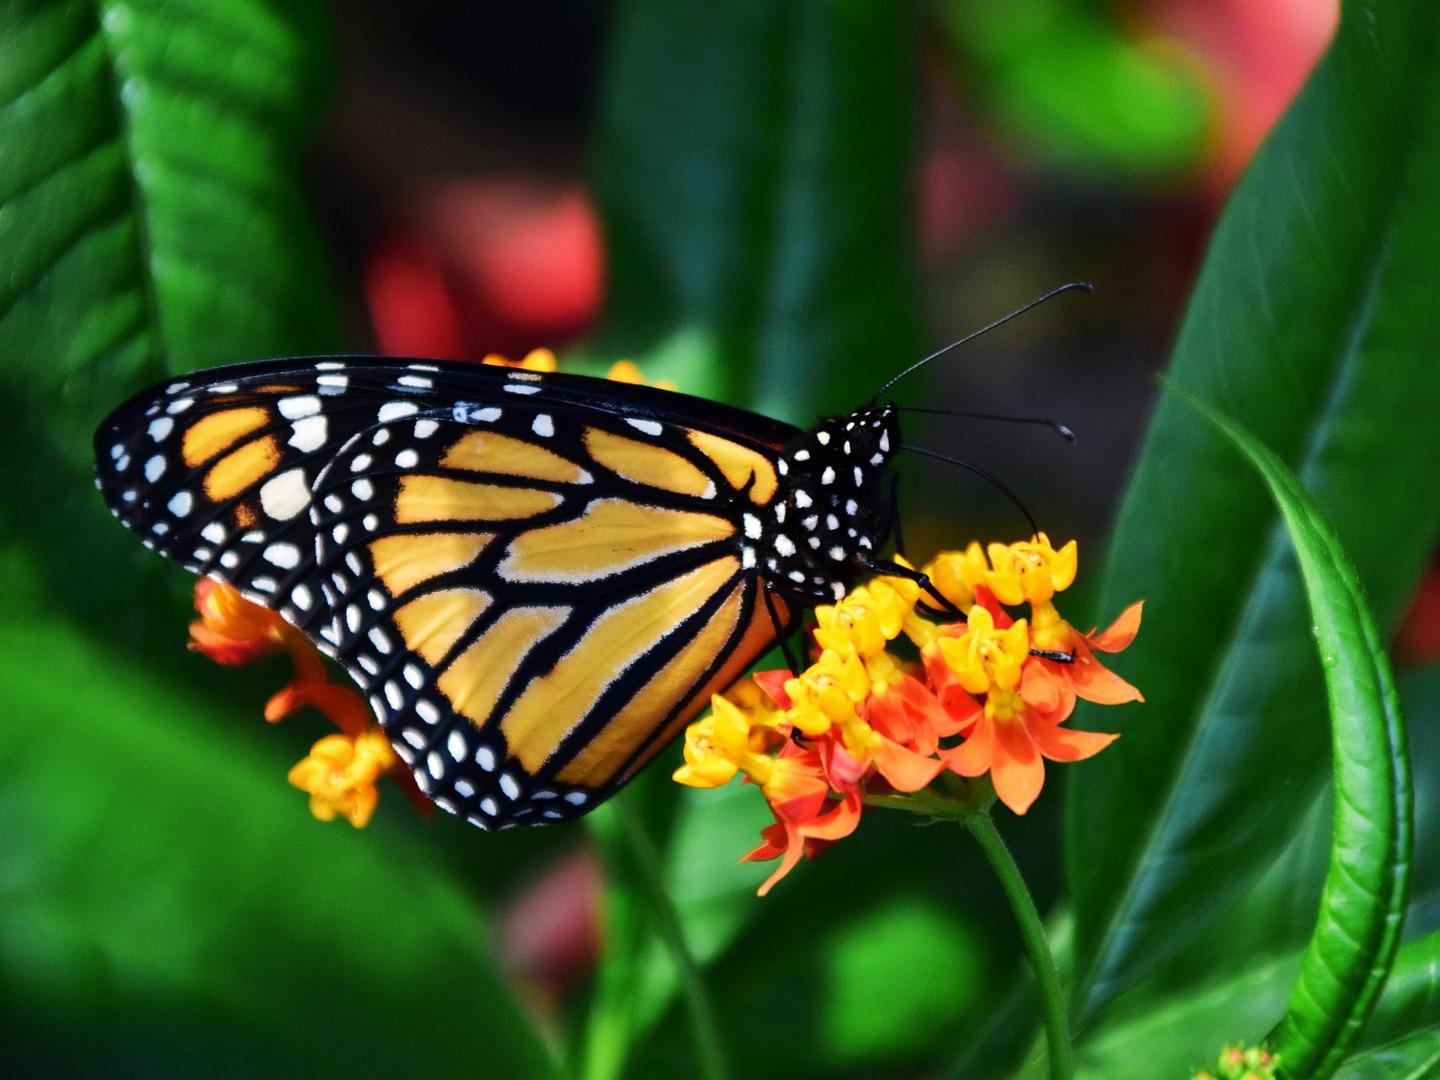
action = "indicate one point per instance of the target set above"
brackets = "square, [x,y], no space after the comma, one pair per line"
[860,723]
[1011,734]
[232,630]
[341,770]
[1086,676]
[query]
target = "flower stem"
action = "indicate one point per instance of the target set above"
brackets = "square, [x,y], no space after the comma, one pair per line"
[709,1049]
[1032,933]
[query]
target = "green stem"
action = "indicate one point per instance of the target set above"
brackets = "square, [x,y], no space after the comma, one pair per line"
[1037,947]
[709,1052]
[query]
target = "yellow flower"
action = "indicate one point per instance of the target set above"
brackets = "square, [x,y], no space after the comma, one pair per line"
[625,371]
[715,745]
[984,656]
[826,693]
[1031,570]
[542,360]
[955,574]
[866,619]
[340,774]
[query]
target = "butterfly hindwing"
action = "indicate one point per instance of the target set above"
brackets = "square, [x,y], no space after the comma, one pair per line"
[537,587]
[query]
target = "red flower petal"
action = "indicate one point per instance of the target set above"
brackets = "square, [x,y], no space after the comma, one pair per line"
[904,769]
[793,849]
[1095,682]
[773,683]
[838,822]
[1065,744]
[1119,634]
[1018,771]
[975,755]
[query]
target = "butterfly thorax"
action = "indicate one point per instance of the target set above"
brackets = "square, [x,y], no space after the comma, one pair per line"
[832,511]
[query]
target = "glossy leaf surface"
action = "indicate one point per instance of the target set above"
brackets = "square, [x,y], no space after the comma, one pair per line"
[1309,322]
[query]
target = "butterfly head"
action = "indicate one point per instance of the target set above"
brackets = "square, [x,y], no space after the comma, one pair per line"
[833,509]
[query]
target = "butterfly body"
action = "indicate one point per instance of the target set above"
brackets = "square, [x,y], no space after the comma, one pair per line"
[537,578]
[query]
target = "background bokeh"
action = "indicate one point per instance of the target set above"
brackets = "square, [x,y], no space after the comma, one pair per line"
[591,177]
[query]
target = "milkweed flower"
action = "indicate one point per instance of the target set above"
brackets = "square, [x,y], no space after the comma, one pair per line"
[986,695]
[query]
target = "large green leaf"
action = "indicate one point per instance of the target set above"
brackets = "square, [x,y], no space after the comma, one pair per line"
[1362,905]
[150,222]
[168,905]
[1414,1057]
[1311,326]
[754,170]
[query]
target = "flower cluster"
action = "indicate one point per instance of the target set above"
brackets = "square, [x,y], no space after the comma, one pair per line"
[1239,1063]
[987,695]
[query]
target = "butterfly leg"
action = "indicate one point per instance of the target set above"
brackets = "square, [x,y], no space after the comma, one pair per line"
[892,500]
[946,608]
[909,573]
[781,633]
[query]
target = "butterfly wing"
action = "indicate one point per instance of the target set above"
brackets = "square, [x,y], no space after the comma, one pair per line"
[537,579]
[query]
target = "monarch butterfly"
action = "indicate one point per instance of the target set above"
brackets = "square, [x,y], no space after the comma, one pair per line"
[538,579]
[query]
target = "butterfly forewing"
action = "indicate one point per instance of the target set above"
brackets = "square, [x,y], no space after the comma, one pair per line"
[536,589]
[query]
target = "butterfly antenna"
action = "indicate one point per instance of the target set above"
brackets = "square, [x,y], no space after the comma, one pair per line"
[989,477]
[1063,430]
[1072,286]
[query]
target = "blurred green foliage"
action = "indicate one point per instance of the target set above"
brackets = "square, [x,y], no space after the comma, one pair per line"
[1072,89]
[167,907]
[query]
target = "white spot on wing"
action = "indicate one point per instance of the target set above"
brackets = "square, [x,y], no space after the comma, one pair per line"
[649,427]
[284,555]
[293,408]
[394,410]
[284,496]
[159,428]
[310,433]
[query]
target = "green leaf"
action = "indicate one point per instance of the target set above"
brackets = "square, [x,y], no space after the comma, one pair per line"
[1415,1057]
[1311,326]
[1362,905]
[753,171]
[1410,1002]
[151,221]
[168,902]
